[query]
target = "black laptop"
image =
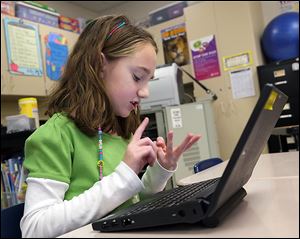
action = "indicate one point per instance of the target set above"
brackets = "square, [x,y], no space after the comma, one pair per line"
[206,202]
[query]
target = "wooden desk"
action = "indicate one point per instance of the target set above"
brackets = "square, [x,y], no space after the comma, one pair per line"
[270,209]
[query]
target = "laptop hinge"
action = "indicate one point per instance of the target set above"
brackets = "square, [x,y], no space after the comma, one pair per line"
[225,209]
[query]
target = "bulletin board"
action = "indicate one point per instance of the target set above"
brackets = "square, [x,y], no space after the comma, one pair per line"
[62,44]
[23,47]
[56,55]
[19,84]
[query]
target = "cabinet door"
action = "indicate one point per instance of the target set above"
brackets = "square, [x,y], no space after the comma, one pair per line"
[15,84]
[71,40]
[197,118]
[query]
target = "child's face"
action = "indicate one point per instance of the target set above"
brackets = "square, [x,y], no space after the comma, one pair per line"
[126,79]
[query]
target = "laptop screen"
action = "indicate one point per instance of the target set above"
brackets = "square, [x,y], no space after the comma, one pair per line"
[250,145]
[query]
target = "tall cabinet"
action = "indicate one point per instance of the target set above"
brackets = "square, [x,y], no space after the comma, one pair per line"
[237,27]
[285,76]
[198,118]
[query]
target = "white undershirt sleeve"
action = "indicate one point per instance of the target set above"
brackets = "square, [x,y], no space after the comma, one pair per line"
[47,214]
[155,179]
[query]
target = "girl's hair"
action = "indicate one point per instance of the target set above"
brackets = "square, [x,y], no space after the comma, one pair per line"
[80,93]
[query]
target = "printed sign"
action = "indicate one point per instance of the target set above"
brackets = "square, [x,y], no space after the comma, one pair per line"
[205,58]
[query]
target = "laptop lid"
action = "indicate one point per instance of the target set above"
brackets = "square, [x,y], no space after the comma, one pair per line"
[250,145]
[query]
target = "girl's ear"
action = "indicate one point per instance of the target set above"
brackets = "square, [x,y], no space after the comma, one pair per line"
[104,64]
[104,60]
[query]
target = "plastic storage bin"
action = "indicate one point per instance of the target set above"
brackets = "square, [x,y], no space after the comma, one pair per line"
[17,123]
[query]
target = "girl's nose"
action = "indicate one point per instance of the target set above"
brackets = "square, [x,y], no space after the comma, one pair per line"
[144,92]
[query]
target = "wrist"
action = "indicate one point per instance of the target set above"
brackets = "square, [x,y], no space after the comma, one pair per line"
[168,167]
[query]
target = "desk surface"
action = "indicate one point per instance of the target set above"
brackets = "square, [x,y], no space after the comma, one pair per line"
[268,166]
[270,209]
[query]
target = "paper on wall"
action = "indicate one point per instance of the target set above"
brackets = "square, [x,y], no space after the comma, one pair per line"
[176,118]
[242,83]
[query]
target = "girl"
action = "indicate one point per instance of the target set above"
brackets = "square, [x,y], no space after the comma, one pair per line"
[84,161]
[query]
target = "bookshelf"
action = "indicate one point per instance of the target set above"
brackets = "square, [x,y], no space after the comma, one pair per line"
[12,174]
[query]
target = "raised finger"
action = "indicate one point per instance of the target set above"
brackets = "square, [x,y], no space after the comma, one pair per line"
[160,140]
[161,143]
[192,141]
[170,142]
[179,150]
[139,131]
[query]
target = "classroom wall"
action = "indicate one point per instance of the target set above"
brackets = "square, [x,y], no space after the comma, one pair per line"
[272,9]
[237,27]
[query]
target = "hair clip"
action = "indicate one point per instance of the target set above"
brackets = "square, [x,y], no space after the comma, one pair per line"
[120,25]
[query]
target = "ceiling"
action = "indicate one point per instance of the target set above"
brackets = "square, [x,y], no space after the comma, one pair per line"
[97,6]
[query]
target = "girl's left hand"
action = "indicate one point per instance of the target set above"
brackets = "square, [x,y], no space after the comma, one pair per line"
[167,156]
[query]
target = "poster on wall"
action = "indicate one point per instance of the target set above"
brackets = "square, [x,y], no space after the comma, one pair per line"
[175,45]
[56,55]
[205,58]
[23,48]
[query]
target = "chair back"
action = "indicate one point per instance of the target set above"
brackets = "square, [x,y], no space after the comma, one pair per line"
[206,163]
[10,221]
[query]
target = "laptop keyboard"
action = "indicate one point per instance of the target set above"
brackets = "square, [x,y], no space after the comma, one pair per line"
[175,197]
[127,218]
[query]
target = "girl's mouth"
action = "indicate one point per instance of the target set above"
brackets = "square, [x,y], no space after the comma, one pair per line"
[134,103]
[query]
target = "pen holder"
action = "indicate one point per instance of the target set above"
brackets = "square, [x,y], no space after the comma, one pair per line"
[8,199]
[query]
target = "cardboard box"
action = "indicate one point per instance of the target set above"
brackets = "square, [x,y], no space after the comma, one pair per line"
[36,14]
[8,8]
[69,24]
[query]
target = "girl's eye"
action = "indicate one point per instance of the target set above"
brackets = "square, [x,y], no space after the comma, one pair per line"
[136,78]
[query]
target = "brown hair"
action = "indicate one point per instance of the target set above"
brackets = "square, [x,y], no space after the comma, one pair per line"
[81,91]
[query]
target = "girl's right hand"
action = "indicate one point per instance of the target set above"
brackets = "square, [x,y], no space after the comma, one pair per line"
[140,151]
